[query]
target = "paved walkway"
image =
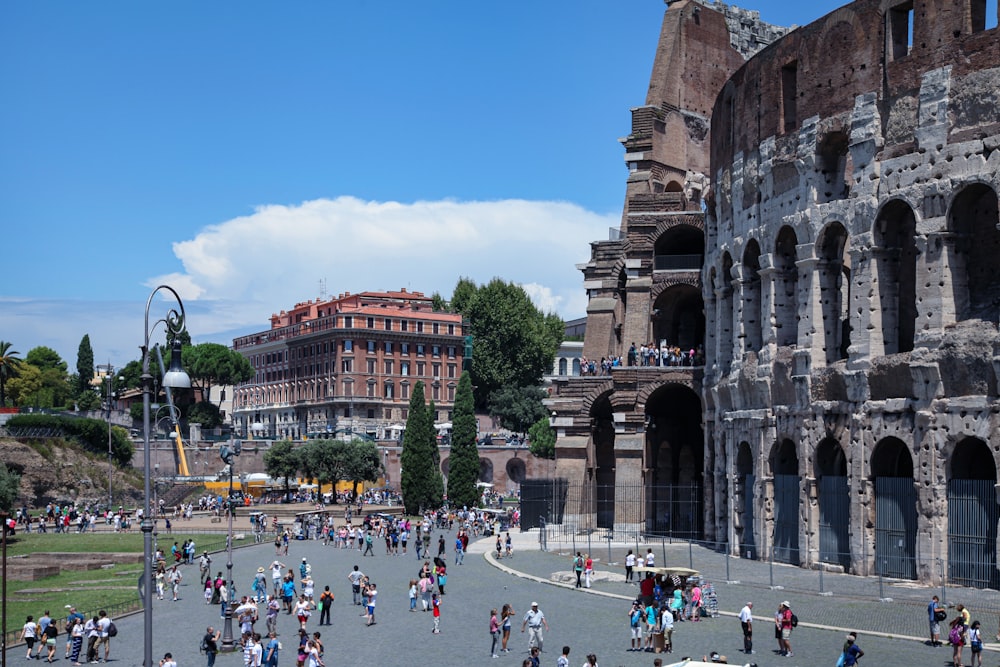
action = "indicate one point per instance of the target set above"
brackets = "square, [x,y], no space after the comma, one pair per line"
[588,621]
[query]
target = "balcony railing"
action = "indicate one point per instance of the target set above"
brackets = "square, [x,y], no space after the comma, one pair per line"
[678,262]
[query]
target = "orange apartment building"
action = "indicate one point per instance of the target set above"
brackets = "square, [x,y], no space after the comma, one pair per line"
[348,364]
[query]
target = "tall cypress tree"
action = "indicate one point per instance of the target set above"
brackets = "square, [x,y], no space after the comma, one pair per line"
[436,492]
[84,365]
[416,459]
[463,469]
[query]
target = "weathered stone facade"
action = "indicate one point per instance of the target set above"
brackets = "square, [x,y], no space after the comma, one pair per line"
[849,295]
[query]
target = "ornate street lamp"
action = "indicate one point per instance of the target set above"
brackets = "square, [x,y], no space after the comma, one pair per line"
[174,377]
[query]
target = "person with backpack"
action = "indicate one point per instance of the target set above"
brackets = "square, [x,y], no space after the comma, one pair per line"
[578,569]
[956,637]
[976,644]
[785,623]
[936,613]
[635,626]
[325,604]
[210,644]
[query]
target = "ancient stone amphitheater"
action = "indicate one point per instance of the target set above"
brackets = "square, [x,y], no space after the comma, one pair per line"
[814,212]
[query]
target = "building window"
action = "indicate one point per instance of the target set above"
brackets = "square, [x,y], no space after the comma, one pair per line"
[347,412]
[371,389]
[406,413]
[371,367]
[789,95]
[437,370]
[404,368]
[371,347]
[348,322]
[404,325]
[451,370]
[348,345]
[451,394]
[900,20]
[435,327]
[388,347]
[388,367]
[436,391]
[420,327]
[404,348]
[346,365]
[420,368]
[389,390]
[984,15]
[436,350]
[451,329]
[420,349]
[451,351]
[388,324]
[371,413]
[371,322]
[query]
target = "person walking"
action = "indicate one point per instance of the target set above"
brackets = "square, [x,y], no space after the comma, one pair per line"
[563,660]
[76,639]
[436,604]
[210,644]
[167,660]
[534,621]
[588,570]
[272,650]
[975,644]
[851,652]
[746,622]
[629,566]
[29,633]
[325,603]
[667,625]
[494,633]
[578,568]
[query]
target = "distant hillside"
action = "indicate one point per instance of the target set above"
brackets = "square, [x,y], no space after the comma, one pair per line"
[53,470]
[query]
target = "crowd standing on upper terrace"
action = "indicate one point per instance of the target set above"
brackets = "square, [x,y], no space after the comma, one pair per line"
[645,355]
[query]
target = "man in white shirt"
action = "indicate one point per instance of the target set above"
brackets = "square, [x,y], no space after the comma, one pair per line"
[277,569]
[746,621]
[103,624]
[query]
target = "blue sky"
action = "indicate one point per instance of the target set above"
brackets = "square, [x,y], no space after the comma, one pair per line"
[245,151]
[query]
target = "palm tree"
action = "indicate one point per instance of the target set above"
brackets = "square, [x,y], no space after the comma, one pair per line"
[9,363]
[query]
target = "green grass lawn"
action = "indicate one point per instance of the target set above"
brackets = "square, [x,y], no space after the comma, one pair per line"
[112,588]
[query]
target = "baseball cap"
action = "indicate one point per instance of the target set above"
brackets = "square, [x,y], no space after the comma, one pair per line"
[534,604]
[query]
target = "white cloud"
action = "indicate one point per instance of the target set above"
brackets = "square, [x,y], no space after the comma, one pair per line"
[235,274]
[265,262]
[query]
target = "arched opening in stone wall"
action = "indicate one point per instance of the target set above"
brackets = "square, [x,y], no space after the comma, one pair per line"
[603,434]
[972,515]
[679,318]
[485,470]
[895,509]
[834,165]
[562,366]
[614,345]
[973,219]
[834,503]
[516,470]
[752,336]
[896,275]
[745,502]
[724,290]
[675,454]
[786,287]
[680,248]
[834,269]
[785,470]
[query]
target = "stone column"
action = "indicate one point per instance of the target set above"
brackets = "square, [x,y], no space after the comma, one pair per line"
[573,463]
[629,464]
[809,527]
[945,295]
[811,337]
[739,327]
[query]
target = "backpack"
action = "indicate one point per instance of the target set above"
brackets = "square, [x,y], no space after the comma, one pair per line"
[955,636]
[112,629]
[203,647]
[940,614]
[795,621]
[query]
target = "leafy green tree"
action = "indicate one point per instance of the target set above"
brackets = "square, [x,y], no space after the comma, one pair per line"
[282,461]
[438,303]
[463,467]
[324,460]
[10,362]
[515,344]
[543,439]
[463,294]
[45,358]
[204,413]
[517,408]
[363,463]
[420,482]
[10,489]
[88,400]
[25,384]
[84,366]
[211,364]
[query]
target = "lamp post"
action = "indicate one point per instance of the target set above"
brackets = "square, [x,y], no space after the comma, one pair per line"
[111,469]
[5,517]
[228,453]
[173,377]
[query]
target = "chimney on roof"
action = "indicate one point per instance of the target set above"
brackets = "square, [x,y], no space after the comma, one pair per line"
[403,290]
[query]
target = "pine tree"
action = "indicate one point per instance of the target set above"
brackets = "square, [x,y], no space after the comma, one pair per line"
[435,496]
[84,365]
[463,469]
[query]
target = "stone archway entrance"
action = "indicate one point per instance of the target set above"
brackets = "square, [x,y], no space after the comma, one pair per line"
[674,462]
[834,503]
[604,462]
[895,510]
[745,524]
[785,466]
[972,516]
